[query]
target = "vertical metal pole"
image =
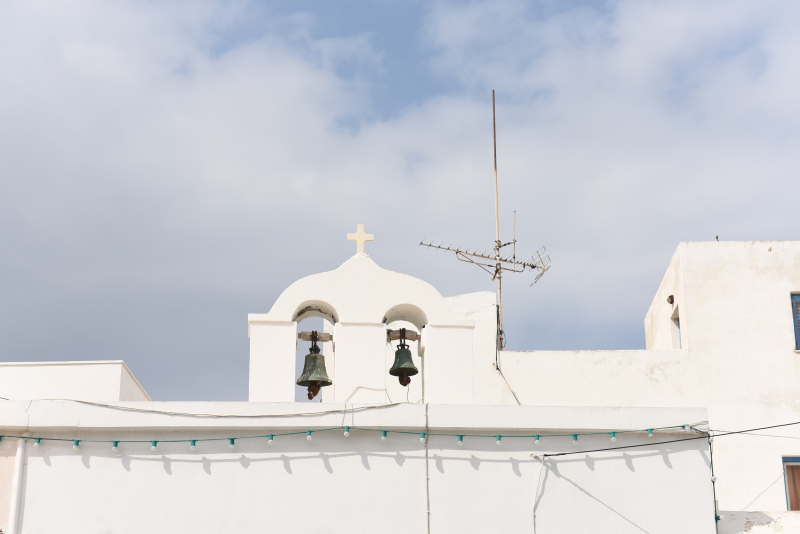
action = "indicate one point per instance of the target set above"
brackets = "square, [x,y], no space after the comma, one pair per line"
[497,224]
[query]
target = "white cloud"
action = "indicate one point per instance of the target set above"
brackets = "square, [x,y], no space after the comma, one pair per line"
[169,168]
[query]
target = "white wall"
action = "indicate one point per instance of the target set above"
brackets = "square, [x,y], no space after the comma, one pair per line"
[360,483]
[361,299]
[95,381]
[272,360]
[481,308]
[361,371]
[738,360]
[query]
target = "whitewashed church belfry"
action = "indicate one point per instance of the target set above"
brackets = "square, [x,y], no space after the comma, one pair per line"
[364,305]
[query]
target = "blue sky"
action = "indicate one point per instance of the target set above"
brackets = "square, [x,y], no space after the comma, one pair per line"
[168,167]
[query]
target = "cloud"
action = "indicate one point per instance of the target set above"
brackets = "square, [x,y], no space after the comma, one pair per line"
[169,167]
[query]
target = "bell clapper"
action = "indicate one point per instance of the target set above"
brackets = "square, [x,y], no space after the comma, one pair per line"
[313,390]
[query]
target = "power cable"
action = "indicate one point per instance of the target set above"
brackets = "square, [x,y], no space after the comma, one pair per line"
[705,435]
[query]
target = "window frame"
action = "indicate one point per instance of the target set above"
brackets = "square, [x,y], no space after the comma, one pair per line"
[795,297]
[788,460]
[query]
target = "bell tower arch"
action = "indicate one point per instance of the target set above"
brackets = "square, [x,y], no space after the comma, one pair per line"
[359,299]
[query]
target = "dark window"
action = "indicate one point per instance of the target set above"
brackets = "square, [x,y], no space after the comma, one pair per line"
[796,320]
[791,468]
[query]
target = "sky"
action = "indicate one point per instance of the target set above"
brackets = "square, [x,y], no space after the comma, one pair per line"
[168,167]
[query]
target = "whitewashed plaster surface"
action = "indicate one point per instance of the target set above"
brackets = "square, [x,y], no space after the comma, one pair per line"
[738,360]
[360,299]
[734,353]
[90,381]
[759,522]
[360,483]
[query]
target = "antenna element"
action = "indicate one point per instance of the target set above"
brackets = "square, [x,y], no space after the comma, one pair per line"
[495,266]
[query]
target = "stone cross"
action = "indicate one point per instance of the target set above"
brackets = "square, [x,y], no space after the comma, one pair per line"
[360,237]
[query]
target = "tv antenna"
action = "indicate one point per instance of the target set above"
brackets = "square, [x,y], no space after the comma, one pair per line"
[497,264]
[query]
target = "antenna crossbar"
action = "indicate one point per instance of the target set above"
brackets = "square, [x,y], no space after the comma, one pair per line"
[540,263]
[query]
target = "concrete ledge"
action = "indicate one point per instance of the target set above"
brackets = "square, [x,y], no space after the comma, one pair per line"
[41,415]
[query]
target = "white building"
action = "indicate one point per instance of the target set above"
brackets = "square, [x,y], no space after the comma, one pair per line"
[724,341]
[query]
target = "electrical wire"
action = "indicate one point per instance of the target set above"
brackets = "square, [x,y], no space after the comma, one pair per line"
[536,495]
[713,481]
[713,433]
[499,338]
[427,477]
[509,387]
[373,389]
[352,428]
[703,435]
[237,416]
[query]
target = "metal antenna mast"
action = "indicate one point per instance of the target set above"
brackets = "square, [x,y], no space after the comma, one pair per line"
[498,271]
[539,262]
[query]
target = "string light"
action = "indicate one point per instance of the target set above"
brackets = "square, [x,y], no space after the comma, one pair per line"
[384,435]
[713,478]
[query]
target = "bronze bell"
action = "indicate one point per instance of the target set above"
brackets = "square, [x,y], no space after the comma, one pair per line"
[403,366]
[314,375]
